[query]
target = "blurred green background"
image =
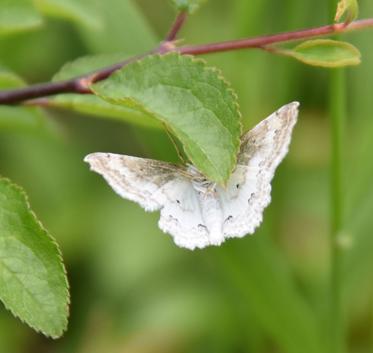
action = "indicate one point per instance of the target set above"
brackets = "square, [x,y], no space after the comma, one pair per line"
[132,289]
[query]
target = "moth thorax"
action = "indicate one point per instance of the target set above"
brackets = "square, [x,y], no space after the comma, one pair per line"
[200,182]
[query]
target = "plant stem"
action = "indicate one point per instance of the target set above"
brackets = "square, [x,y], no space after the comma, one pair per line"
[337,115]
[179,21]
[337,111]
[82,84]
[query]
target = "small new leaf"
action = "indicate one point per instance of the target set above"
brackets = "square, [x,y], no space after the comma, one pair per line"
[33,284]
[325,53]
[194,102]
[188,5]
[347,8]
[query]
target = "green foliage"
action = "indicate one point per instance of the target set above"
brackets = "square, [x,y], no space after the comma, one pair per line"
[9,80]
[325,53]
[347,8]
[17,16]
[94,105]
[124,28]
[73,10]
[29,119]
[33,283]
[188,5]
[24,15]
[193,101]
[278,313]
[257,294]
[88,64]
[18,117]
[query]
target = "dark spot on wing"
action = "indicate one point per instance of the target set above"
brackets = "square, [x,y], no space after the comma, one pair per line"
[228,218]
[178,201]
[251,197]
[201,227]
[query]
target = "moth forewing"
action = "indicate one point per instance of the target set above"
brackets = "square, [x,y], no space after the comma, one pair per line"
[194,210]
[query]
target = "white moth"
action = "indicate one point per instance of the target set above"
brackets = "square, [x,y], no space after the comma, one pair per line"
[193,209]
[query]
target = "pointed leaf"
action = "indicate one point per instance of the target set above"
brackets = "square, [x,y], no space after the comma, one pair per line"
[325,53]
[33,284]
[347,8]
[188,5]
[17,16]
[72,10]
[194,102]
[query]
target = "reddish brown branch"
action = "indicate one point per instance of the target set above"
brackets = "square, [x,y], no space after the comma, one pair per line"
[81,84]
[180,19]
[262,41]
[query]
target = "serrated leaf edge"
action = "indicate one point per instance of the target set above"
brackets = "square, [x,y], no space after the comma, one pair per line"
[219,75]
[23,194]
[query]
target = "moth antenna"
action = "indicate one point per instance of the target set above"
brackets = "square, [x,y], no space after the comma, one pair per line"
[169,134]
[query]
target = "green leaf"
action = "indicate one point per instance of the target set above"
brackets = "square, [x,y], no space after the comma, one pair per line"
[194,102]
[347,8]
[325,53]
[17,16]
[9,80]
[20,118]
[188,5]
[93,105]
[124,28]
[72,10]
[29,119]
[86,64]
[33,284]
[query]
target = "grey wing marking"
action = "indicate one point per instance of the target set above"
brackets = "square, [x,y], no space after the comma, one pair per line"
[267,143]
[156,185]
[137,179]
[249,188]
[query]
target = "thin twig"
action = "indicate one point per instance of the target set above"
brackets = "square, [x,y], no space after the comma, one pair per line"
[180,20]
[81,84]
[262,41]
[76,85]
